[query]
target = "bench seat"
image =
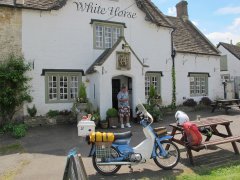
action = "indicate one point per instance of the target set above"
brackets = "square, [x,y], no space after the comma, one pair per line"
[204,145]
[234,105]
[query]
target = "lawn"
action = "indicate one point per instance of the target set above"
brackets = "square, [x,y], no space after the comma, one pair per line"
[10,149]
[228,171]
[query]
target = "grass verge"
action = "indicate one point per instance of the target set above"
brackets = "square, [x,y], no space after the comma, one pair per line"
[10,149]
[228,171]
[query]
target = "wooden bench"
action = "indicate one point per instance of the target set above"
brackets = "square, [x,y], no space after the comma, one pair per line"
[204,145]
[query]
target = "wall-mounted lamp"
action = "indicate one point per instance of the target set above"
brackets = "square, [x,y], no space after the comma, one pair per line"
[125,47]
[87,80]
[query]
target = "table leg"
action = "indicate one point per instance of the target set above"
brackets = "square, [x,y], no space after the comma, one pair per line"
[190,156]
[233,143]
[213,109]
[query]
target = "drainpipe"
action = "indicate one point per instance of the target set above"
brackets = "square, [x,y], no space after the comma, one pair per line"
[173,54]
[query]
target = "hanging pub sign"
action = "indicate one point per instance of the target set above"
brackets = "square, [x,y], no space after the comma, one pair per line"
[123,61]
[95,8]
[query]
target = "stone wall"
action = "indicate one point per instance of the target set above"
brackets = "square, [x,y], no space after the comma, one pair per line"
[10,31]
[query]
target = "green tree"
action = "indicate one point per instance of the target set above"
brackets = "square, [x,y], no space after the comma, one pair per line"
[238,44]
[14,88]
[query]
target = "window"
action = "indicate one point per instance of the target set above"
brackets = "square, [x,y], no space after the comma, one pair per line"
[223,63]
[106,35]
[225,77]
[62,86]
[198,84]
[153,78]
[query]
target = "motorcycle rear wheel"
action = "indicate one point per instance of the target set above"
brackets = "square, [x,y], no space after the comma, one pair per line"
[106,170]
[171,160]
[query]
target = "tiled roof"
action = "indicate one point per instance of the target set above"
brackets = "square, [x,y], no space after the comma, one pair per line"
[7,2]
[153,14]
[235,50]
[36,4]
[187,38]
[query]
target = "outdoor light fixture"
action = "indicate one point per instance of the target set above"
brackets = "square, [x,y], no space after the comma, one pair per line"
[125,47]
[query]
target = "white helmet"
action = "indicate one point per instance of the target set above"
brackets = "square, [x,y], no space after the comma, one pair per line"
[181,117]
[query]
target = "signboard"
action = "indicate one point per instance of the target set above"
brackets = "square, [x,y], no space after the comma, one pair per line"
[96,8]
[123,61]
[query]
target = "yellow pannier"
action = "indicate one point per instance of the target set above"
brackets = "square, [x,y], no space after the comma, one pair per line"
[101,137]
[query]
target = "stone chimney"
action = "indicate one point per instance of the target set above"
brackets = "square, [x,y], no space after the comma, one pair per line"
[182,10]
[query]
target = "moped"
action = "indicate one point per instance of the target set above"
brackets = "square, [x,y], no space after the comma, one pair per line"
[107,159]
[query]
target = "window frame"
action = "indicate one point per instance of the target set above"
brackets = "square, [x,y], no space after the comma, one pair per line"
[200,76]
[158,75]
[58,75]
[105,25]
[224,63]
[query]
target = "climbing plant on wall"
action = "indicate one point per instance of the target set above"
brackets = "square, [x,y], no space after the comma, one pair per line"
[14,88]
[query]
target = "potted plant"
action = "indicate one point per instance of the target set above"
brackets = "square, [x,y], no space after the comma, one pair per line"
[104,124]
[112,116]
[96,118]
[82,98]
[154,98]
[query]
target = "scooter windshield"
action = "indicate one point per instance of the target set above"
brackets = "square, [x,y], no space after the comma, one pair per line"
[144,112]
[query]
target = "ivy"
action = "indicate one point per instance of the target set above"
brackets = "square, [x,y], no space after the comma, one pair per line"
[173,88]
[14,88]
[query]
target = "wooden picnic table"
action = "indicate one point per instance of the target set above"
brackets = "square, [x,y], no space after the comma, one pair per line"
[225,104]
[213,123]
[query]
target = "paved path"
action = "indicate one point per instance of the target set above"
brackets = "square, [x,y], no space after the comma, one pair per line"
[46,149]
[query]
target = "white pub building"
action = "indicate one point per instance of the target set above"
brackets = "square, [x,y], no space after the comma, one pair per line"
[107,43]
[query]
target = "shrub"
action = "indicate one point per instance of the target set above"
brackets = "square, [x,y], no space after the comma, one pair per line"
[112,112]
[64,112]
[190,103]
[14,86]
[8,127]
[52,113]
[205,101]
[154,111]
[32,111]
[19,130]
[82,94]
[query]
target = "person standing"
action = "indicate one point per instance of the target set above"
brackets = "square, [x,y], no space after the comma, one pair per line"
[123,106]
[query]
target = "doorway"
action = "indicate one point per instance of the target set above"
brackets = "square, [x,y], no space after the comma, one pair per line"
[116,86]
[117,82]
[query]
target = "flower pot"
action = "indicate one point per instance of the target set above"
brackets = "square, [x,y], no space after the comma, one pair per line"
[113,121]
[104,124]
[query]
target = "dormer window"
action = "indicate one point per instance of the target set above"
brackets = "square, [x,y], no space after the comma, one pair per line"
[106,33]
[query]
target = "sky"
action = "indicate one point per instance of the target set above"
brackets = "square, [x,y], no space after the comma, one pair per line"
[219,20]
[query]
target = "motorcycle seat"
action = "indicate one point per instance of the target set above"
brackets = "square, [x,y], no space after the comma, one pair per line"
[124,135]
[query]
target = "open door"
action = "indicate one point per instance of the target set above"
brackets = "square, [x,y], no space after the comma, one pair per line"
[115,89]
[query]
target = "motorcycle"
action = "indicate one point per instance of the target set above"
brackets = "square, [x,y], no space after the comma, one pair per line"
[107,159]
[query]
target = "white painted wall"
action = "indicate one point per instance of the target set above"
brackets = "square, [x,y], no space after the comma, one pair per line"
[186,63]
[233,62]
[110,71]
[63,39]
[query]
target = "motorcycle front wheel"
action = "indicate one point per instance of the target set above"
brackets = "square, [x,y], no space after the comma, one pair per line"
[106,170]
[171,159]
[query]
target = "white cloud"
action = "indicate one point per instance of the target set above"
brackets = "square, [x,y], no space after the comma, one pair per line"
[172,11]
[217,37]
[236,25]
[232,33]
[229,10]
